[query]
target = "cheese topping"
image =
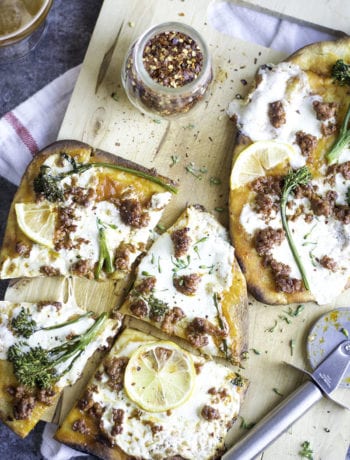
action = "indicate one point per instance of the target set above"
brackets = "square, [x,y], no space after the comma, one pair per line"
[314,238]
[282,82]
[182,431]
[46,316]
[209,256]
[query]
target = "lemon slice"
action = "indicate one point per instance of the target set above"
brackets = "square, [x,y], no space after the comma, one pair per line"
[37,222]
[258,158]
[159,376]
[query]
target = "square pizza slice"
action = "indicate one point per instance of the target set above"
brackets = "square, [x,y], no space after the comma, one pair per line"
[189,285]
[151,399]
[44,347]
[84,212]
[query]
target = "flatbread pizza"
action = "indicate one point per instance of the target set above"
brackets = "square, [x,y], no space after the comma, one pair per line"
[189,285]
[119,417]
[44,347]
[290,181]
[83,212]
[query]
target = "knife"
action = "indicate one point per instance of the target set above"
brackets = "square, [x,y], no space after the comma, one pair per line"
[323,381]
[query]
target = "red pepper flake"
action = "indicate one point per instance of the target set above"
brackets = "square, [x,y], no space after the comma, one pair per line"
[172,59]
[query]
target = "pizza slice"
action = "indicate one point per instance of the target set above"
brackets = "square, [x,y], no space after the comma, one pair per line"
[83,212]
[290,182]
[44,347]
[189,285]
[152,399]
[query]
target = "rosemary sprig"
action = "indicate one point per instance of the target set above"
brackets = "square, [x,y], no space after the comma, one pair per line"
[294,178]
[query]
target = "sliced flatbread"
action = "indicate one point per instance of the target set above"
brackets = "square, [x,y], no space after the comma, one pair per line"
[189,285]
[107,422]
[299,106]
[32,328]
[80,211]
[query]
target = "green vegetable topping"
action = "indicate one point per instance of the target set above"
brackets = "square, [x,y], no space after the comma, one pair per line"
[306,451]
[48,185]
[37,367]
[104,259]
[24,324]
[341,142]
[341,73]
[294,178]
[158,308]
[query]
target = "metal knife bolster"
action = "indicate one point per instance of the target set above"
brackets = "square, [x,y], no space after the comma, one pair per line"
[330,372]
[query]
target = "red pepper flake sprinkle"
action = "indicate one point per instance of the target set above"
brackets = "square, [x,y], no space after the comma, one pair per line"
[172,59]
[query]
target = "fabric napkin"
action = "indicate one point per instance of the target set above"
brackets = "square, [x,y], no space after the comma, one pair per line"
[35,122]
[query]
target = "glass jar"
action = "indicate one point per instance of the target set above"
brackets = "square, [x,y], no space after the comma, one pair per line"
[167,70]
[22,23]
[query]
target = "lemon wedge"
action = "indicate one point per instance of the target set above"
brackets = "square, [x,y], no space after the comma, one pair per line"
[257,158]
[159,376]
[37,222]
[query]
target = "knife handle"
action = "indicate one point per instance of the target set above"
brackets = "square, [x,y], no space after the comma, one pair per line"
[275,423]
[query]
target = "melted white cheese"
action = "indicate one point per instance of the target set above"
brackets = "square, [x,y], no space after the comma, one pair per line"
[210,255]
[320,237]
[184,431]
[275,84]
[48,316]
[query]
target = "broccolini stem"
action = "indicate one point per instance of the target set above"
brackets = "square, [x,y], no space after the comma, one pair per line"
[48,185]
[23,324]
[104,256]
[141,174]
[341,142]
[294,178]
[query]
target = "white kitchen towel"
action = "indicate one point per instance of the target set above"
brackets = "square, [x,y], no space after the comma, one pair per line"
[35,123]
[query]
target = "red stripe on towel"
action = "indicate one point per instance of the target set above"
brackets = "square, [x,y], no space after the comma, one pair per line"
[22,132]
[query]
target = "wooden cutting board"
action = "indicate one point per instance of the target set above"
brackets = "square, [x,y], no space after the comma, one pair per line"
[333,15]
[203,139]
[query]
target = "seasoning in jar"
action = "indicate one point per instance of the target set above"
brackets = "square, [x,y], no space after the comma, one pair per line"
[167,70]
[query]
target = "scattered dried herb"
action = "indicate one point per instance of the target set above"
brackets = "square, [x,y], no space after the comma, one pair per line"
[277,392]
[306,451]
[292,346]
[245,425]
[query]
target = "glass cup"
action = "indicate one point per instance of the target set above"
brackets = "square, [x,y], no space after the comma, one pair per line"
[169,94]
[22,23]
